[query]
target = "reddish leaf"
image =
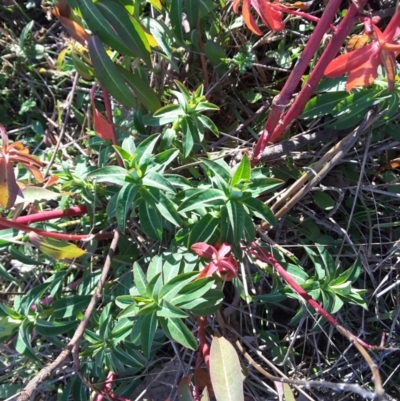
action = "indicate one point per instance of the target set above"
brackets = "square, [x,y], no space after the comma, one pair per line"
[102,126]
[349,61]
[223,250]
[8,185]
[4,137]
[364,75]
[388,61]
[204,250]
[235,6]
[272,18]
[249,19]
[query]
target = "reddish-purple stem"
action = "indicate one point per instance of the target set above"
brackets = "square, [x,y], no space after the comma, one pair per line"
[265,256]
[274,127]
[49,215]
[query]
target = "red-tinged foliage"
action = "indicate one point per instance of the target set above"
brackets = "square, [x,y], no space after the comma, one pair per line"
[225,266]
[17,153]
[362,64]
[270,14]
[62,11]
[102,126]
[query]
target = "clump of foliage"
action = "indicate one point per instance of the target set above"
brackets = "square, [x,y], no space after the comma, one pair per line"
[139,215]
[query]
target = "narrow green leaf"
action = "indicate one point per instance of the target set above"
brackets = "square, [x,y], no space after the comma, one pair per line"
[167,210]
[323,200]
[192,291]
[203,230]
[126,27]
[236,218]
[322,105]
[260,210]
[140,280]
[108,74]
[243,172]
[192,11]
[225,371]
[147,331]
[204,305]
[202,198]
[168,310]
[110,174]
[177,331]
[147,97]
[71,306]
[145,150]
[188,136]
[23,341]
[175,14]
[124,204]
[155,180]
[150,220]
[173,286]
[48,328]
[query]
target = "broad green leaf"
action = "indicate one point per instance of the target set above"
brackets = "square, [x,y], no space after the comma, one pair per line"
[156,180]
[328,262]
[147,97]
[23,341]
[219,168]
[34,295]
[168,310]
[155,266]
[225,371]
[83,69]
[125,358]
[101,27]
[147,331]
[203,198]
[174,285]
[188,132]
[204,305]
[177,331]
[71,306]
[351,274]
[165,115]
[126,27]
[8,327]
[249,232]
[192,291]
[297,273]
[236,219]
[167,210]
[243,171]
[124,204]
[140,280]
[108,74]
[323,200]
[52,328]
[110,174]
[260,210]
[145,150]
[175,14]
[192,11]
[55,248]
[323,104]
[203,230]
[150,221]
[34,194]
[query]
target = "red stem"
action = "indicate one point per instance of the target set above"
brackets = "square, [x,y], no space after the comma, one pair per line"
[61,236]
[107,105]
[317,73]
[49,215]
[274,127]
[203,347]
[265,256]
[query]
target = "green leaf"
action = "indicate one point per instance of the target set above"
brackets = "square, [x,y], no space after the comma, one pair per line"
[260,210]
[126,27]
[192,291]
[175,14]
[150,221]
[101,27]
[33,296]
[124,204]
[192,11]
[71,306]
[202,198]
[155,180]
[328,262]
[249,232]
[147,97]
[225,371]
[23,341]
[288,393]
[108,74]
[188,130]
[147,331]
[53,328]
[351,274]
[125,358]
[145,150]
[140,280]
[110,174]
[322,105]
[174,285]
[203,230]
[323,200]
[297,273]
[177,331]
[55,248]
[243,172]
[168,310]
[204,305]
[236,219]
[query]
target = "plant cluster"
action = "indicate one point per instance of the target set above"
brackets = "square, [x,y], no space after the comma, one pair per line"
[132,239]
